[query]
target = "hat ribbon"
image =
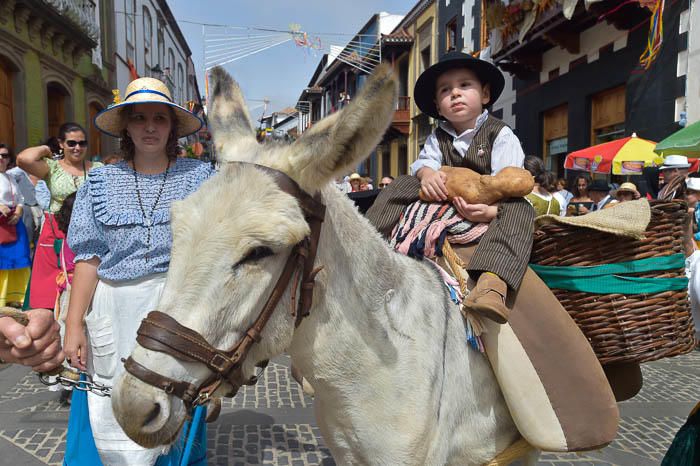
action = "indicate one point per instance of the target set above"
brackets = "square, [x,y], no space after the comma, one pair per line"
[148,91]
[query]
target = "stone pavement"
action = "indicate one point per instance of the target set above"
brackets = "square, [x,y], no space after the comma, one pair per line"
[273,422]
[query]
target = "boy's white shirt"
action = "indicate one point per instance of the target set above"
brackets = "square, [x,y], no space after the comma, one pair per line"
[506,146]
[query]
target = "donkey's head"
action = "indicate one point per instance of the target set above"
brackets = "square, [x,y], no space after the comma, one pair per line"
[232,238]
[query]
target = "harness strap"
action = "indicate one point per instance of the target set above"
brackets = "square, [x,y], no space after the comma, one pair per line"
[183,390]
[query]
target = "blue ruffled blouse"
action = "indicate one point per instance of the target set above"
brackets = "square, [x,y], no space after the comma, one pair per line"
[108,222]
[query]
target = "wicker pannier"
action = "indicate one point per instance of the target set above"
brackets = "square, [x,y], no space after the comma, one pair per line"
[624,328]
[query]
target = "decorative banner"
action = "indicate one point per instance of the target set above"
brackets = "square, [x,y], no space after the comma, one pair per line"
[596,162]
[631,167]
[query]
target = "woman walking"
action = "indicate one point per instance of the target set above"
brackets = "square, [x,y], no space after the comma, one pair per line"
[120,233]
[63,177]
[14,242]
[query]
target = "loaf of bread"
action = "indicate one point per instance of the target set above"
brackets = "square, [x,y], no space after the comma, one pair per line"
[486,189]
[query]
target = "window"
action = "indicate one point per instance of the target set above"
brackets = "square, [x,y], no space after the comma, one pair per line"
[608,115]
[425,41]
[147,38]
[129,16]
[181,84]
[386,160]
[451,35]
[403,160]
[555,132]
[171,63]
[161,45]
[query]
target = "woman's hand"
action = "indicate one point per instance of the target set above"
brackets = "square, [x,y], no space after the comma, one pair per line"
[15,218]
[75,345]
[477,213]
[432,183]
[4,210]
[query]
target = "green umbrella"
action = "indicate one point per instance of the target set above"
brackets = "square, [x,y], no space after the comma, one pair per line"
[683,142]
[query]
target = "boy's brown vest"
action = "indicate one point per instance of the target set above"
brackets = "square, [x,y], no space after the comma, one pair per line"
[478,156]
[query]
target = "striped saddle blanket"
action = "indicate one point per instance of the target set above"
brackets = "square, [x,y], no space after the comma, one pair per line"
[424,226]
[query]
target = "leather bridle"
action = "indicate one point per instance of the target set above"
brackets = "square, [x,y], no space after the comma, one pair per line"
[160,332]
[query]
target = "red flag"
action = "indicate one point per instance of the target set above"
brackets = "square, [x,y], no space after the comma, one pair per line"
[132,69]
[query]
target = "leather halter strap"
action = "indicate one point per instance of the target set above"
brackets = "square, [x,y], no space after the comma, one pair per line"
[160,332]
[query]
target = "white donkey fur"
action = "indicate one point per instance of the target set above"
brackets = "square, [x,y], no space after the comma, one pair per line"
[384,347]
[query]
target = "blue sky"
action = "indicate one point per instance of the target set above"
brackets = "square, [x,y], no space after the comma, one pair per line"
[279,73]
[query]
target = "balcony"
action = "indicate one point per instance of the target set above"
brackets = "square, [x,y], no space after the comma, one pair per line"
[402,116]
[79,12]
[552,29]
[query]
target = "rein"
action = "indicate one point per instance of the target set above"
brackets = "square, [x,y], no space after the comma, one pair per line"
[160,332]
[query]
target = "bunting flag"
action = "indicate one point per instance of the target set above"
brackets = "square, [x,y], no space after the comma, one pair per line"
[656,32]
[132,69]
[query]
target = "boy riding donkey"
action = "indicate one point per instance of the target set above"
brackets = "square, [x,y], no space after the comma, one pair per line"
[455,90]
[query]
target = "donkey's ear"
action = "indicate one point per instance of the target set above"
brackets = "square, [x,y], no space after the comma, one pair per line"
[228,116]
[339,142]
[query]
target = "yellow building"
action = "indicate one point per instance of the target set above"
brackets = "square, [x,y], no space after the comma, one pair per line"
[410,48]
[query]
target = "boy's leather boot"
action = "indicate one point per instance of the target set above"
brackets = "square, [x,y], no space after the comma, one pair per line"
[488,298]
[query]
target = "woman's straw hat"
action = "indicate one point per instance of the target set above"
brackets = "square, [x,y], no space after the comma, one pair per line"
[146,91]
[355,176]
[628,188]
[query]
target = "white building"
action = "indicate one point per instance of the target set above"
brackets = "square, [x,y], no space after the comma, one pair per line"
[149,40]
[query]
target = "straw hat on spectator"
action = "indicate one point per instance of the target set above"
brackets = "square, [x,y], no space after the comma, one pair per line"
[146,91]
[693,184]
[628,188]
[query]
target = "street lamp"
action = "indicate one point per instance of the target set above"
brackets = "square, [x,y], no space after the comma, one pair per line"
[156,72]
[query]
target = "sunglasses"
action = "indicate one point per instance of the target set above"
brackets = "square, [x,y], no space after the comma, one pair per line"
[71,143]
[4,156]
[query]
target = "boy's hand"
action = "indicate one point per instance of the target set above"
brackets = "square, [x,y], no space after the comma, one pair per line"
[478,213]
[432,183]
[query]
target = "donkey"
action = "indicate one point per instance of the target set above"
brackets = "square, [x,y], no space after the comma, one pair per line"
[384,347]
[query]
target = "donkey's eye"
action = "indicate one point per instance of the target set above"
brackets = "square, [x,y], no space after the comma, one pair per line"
[258,253]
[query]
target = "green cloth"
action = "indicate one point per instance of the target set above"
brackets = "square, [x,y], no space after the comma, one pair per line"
[62,184]
[543,206]
[611,278]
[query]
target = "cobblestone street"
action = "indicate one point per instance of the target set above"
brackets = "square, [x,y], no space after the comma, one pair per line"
[273,422]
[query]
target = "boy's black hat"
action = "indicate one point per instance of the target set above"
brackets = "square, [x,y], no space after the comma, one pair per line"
[424,92]
[599,185]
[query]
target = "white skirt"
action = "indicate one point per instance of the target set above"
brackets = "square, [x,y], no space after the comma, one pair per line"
[117,311]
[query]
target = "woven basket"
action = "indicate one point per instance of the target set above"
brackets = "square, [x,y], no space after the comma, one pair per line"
[624,328]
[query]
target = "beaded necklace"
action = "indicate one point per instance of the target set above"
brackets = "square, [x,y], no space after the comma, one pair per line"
[148,219]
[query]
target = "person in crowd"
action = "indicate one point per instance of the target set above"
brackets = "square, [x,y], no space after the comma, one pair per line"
[580,203]
[385,181]
[38,345]
[599,191]
[627,192]
[120,234]
[32,214]
[693,259]
[456,90]
[541,198]
[342,185]
[562,195]
[368,181]
[63,177]
[15,259]
[355,183]
[365,184]
[675,170]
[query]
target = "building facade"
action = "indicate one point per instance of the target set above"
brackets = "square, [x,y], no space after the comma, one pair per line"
[55,67]
[578,79]
[342,73]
